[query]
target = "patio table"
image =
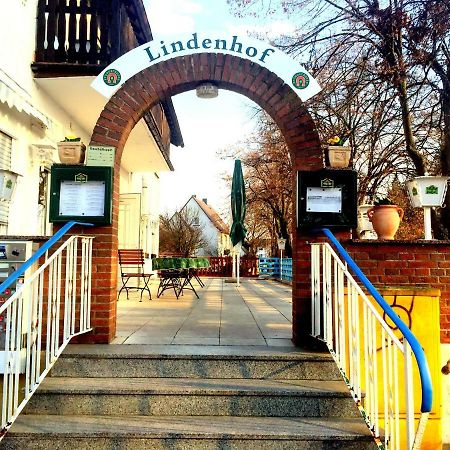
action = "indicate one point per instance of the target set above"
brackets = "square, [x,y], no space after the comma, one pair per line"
[177,273]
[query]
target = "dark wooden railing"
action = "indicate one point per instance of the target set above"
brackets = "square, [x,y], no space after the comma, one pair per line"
[222,266]
[90,33]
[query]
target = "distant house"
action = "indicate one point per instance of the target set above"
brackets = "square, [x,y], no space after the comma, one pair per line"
[216,232]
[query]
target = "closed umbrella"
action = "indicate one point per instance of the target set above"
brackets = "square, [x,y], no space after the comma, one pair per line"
[238,230]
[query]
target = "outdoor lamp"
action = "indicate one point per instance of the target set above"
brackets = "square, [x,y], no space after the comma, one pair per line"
[207,90]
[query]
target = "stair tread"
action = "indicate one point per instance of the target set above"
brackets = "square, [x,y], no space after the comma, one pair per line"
[179,386]
[209,427]
[192,352]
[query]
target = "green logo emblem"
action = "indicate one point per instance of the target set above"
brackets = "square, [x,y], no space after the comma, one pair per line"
[300,80]
[112,77]
[9,184]
[431,190]
[81,178]
[327,183]
[414,191]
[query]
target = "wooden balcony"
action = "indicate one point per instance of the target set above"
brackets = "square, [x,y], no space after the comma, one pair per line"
[81,37]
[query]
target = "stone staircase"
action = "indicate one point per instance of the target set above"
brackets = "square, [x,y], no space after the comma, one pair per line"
[179,397]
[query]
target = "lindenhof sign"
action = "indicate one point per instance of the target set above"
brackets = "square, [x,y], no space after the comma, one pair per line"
[138,59]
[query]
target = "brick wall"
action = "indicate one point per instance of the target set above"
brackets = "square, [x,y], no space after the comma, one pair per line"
[408,263]
[138,95]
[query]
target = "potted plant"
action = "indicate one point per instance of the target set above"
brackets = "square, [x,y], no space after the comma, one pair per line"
[385,218]
[338,153]
[71,150]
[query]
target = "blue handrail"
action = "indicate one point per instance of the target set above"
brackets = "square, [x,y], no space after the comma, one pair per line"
[424,371]
[41,251]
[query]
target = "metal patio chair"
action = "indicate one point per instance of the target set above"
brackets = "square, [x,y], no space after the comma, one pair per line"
[131,262]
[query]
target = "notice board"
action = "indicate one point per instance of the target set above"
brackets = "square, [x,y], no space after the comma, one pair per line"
[327,198]
[81,193]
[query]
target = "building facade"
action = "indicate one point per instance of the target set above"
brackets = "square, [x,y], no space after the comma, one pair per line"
[51,51]
[215,231]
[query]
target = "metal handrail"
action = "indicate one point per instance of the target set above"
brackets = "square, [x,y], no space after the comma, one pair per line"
[52,306]
[39,252]
[424,371]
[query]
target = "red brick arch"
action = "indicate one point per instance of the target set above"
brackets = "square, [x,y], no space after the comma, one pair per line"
[172,77]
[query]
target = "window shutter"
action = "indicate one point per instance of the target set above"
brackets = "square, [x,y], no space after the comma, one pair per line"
[5,151]
[5,163]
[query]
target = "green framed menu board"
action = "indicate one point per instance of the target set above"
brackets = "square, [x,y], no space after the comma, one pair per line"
[81,193]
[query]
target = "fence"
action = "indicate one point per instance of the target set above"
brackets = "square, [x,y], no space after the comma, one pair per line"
[274,268]
[222,266]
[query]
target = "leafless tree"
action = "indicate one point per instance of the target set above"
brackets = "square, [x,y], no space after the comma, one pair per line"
[268,180]
[180,233]
[388,58]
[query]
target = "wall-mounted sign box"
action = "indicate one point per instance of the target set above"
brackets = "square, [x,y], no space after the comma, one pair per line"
[327,198]
[99,155]
[81,193]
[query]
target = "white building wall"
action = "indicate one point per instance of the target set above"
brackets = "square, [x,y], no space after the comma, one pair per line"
[210,232]
[34,145]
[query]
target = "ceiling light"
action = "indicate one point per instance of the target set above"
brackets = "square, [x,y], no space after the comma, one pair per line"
[207,90]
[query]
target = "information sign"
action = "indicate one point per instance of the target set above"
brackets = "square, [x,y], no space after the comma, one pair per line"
[98,155]
[82,199]
[324,200]
[327,198]
[81,193]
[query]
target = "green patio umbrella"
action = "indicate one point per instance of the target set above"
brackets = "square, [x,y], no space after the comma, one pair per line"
[238,230]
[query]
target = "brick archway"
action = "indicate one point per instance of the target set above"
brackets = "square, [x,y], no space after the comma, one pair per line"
[172,77]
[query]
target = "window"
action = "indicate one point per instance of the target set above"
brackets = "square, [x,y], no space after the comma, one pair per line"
[5,163]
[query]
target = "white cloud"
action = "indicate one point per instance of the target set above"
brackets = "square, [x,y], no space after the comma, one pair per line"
[172,16]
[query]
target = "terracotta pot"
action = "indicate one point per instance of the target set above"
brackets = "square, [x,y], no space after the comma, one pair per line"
[71,152]
[385,220]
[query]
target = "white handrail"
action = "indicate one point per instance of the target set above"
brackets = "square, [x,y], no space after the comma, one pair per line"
[52,306]
[365,348]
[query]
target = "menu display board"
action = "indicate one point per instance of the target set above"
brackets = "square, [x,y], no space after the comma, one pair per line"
[82,199]
[324,200]
[81,193]
[327,198]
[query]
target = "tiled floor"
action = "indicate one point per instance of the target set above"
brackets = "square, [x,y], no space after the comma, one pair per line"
[258,312]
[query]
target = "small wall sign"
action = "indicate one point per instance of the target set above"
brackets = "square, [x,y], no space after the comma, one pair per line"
[100,156]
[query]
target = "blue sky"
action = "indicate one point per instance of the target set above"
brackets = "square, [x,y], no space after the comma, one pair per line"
[207,125]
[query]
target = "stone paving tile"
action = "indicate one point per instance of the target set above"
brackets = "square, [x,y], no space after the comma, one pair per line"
[259,312]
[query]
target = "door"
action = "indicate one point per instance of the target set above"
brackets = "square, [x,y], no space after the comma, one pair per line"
[130,221]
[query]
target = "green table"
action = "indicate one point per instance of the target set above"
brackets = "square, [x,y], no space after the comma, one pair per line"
[177,273]
[179,263]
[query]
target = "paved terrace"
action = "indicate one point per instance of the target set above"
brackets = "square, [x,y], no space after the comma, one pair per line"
[259,312]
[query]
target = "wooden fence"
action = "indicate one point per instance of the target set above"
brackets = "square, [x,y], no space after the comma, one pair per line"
[222,266]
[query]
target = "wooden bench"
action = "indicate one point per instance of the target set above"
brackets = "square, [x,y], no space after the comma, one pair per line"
[131,262]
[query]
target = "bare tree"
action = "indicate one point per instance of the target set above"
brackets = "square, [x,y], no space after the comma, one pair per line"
[180,233]
[392,55]
[268,180]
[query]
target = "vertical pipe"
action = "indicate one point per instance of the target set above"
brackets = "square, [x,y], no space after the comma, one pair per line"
[427,222]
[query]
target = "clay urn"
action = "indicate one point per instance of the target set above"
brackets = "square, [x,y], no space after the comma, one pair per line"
[385,219]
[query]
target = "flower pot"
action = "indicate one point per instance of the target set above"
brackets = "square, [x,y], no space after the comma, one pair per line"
[71,152]
[365,227]
[385,220]
[339,156]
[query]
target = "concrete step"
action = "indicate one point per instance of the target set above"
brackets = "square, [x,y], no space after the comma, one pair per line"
[115,361]
[183,396]
[43,432]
